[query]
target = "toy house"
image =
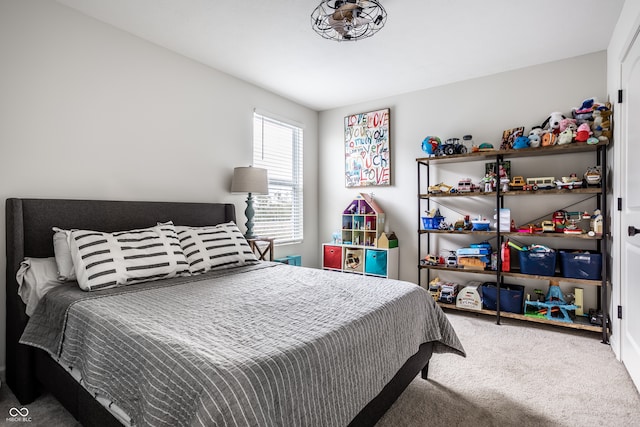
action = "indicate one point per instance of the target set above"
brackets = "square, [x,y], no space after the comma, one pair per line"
[362,222]
[365,249]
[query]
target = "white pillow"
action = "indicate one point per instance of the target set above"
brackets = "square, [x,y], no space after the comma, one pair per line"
[62,251]
[214,247]
[36,277]
[106,260]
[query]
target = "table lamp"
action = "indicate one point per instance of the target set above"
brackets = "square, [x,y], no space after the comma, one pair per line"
[249,180]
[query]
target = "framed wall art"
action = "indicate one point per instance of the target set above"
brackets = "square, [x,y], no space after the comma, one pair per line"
[510,135]
[366,149]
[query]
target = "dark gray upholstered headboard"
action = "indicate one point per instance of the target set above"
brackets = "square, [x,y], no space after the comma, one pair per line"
[29,223]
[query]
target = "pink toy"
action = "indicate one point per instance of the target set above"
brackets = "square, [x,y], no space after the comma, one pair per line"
[568,123]
[583,133]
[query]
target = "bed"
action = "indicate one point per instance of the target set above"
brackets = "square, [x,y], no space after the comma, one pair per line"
[31,370]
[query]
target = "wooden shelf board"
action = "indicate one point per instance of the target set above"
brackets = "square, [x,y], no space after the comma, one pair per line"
[514,274]
[551,191]
[553,235]
[457,269]
[479,233]
[514,234]
[555,278]
[524,152]
[576,325]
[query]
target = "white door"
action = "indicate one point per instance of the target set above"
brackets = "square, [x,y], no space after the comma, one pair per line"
[630,218]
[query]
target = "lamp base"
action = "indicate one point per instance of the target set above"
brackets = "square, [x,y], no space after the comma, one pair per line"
[249,213]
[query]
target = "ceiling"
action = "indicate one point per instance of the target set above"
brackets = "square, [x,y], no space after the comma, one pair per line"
[425,43]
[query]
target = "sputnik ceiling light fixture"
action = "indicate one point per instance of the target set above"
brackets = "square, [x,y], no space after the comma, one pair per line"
[348,20]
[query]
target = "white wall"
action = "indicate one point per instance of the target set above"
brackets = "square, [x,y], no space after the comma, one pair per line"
[89,111]
[483,107]
[626,28]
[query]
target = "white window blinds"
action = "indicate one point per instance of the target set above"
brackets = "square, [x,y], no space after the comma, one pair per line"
[277,147]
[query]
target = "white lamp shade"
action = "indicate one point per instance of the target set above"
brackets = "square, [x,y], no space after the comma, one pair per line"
[250,180]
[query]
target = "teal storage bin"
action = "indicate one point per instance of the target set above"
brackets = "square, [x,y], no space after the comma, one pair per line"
[376,262]
[290,259]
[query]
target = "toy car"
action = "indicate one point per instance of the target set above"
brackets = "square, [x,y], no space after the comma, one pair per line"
[441,188]
[448,292]
[466,186]
[434,290]
[568,185]
[547,226]
[451,146]
[431,260]
[517,183]
[451,260]
[541,182]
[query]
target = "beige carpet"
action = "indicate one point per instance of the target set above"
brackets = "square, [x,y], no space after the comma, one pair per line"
[515,374]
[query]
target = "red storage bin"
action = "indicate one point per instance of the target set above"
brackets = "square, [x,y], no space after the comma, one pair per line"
[332,257]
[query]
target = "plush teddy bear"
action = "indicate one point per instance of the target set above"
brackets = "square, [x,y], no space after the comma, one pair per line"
[553,121]
[583,133]
[521,142]
[565,137]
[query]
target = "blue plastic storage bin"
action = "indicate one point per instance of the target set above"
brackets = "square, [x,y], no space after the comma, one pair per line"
[511,297]
[538,263]
[432,223]
[376,262]
[581,265]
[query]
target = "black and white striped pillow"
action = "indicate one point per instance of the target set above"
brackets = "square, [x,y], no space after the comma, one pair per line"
[105,260]
[215,247]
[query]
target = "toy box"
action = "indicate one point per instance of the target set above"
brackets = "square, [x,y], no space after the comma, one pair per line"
[431,223]
[580,265]
[511,297]
[538,263]
[469,297]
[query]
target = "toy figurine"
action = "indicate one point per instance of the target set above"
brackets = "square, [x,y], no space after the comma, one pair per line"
[593,175]
[488,182]
[597,222]
[559,219]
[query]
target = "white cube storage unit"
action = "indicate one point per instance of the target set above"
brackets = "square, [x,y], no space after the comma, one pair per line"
[380,262]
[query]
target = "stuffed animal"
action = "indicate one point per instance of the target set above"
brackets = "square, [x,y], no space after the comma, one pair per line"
[548,139]
[596,126]
[535,136]
[565,137]
[553,121]
[521,142]
[583,133]
[568,123]
[601,124]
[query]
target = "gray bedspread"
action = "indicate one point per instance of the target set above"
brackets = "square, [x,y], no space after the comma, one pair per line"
[268,345]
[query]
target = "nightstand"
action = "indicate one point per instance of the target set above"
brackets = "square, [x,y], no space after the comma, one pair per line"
[262,247]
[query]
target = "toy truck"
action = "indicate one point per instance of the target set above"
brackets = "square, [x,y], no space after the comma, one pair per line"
[517,183]
[466,186]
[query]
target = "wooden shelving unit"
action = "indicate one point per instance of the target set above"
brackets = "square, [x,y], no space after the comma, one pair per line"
[498,156]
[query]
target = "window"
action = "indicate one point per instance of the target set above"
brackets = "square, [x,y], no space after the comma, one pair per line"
[277,147]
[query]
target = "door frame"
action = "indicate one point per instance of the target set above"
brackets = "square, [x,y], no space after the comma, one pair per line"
[626,31]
